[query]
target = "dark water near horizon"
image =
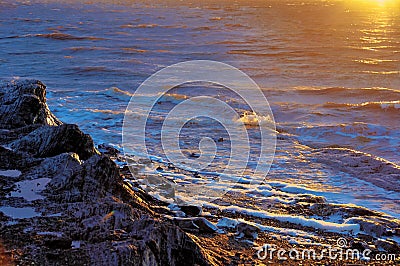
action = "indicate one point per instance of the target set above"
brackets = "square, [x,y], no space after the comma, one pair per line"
[330,71]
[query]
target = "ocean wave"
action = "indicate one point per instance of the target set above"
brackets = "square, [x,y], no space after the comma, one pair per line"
[352,130]
[233,42]
[283,54]
[133,50]
[113,92]
[92,69]
[55,36]
[382,141]
[89,48]
[236,25]
[78,98]
[138,26]
[364,166]
[66,36]
[393,72]
[35,20]
[118,91]
[106,111]
[387,106]
[253,119]
[16,36]
[348,91]
[202,28]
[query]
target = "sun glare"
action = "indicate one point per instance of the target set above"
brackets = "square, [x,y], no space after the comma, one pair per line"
[381,2]
[376,3]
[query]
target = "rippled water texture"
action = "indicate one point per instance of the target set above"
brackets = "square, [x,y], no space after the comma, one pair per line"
[330,70]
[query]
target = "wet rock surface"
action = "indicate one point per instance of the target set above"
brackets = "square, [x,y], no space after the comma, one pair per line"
[78,210]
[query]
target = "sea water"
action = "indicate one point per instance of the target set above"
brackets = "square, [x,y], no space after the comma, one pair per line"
[329,69]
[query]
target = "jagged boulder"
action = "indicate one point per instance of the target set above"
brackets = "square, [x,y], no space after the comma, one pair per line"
[50,141]
[22,103]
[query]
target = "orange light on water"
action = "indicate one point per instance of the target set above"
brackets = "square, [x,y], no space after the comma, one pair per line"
[379,2]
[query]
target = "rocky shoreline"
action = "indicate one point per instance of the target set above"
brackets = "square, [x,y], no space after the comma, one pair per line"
[63,202]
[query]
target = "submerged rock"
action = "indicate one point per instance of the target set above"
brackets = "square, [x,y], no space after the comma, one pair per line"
[86,214]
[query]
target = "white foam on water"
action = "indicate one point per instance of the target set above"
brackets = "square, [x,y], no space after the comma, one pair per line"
[308,222]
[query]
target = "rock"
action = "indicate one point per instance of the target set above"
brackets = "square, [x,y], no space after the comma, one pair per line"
[196,175]
[387,245]
[23,103]
[48,141]
[166,245]
[191,210]
[200,224]
[10,159]
[369,226]
[85,201]
[58,243]
[227,223]
[205,226]
[108,150]
[59,168]
[186,224]
[308,198]
[365,237]
[194,155]
[325,209]
[359,245]
[247,230]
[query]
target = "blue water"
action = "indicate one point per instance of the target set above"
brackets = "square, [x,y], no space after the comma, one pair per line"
[330,69]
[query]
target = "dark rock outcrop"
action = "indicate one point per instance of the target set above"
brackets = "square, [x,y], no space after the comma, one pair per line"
[23,103]
[49,141]
[84,214]
[191,210]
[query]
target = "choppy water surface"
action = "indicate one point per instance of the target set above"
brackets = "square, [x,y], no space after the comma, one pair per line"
[330,70]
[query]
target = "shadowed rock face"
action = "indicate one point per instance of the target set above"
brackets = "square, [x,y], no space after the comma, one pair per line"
[23,103]
[48,141]
[84,213]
